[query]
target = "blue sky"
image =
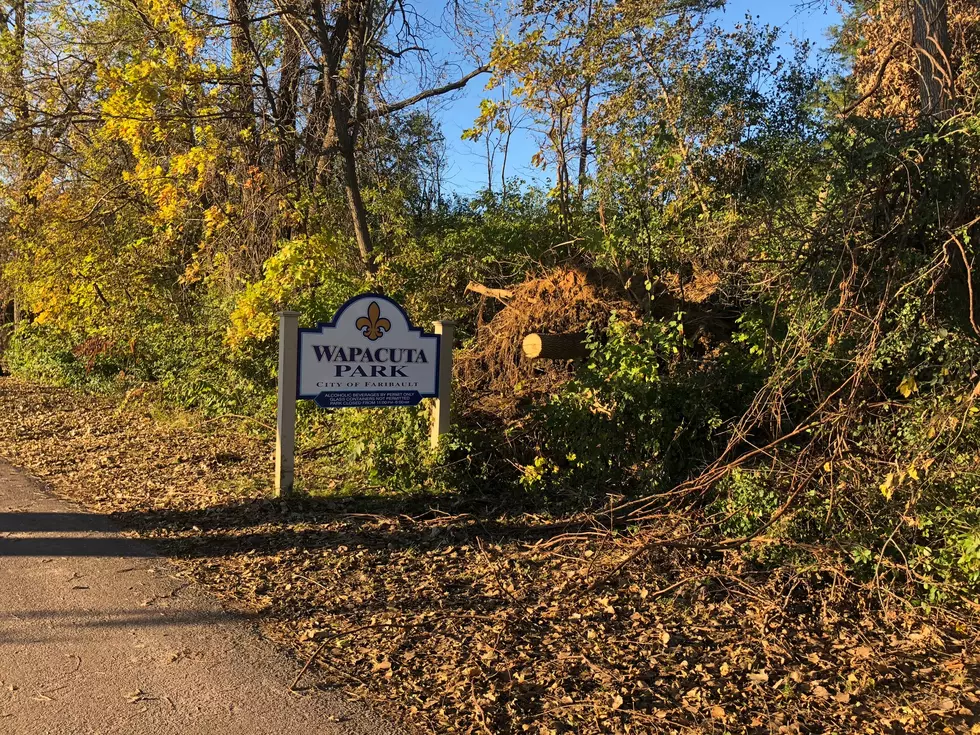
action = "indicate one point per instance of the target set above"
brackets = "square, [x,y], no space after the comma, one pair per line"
[466,171]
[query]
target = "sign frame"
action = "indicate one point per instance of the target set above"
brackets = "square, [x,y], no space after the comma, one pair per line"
[321,397]
[288,380]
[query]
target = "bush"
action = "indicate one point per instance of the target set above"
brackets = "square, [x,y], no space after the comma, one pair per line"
[640,416]
[53,356]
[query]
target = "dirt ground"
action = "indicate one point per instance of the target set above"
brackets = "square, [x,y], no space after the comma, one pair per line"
[462,621]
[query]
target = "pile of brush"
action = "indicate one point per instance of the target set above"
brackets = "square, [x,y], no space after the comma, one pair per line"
[491,371]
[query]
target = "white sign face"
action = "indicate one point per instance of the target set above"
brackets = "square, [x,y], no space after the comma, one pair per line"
[369,355]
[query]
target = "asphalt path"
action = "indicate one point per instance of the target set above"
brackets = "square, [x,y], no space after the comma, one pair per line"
[98,635]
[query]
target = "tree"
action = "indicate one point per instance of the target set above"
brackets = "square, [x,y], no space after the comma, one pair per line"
[189,141]
[352,46]
[908,58]
[576,65]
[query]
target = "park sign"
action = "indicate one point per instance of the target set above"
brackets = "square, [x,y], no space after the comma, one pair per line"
[369,355]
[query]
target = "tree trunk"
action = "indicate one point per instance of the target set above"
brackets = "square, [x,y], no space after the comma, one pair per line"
[352,184]
[489,163]
[583,145]
[333,39]
[289,75]
[20,45]
[505,149]
[238,15]
[22,112]
[355,203]
[360,29]
[287,100]
[930,37]
[558,137]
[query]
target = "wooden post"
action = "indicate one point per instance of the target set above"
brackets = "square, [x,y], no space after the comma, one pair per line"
[286,406]
[442,408]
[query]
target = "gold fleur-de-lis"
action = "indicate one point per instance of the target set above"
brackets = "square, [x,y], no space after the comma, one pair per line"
[373,325]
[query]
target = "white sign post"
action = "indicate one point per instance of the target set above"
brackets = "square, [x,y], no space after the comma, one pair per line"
[442,406]
[369,355]
[286,412]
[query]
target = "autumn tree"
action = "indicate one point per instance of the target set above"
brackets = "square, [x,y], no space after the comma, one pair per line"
[908,57]
[162,152]
[44,89]
[572,63]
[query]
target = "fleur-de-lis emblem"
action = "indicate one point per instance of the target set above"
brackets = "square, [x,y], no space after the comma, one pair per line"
[373,325]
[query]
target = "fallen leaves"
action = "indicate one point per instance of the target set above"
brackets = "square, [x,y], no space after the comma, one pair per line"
[461,622]
[138,696]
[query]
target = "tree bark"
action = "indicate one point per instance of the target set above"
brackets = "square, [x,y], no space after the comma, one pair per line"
[19,51]
[559,132]
[238,15]
[583,145]
[490,152]
[930,37]
[355,202]
[342,114]
[22,112]
[340,107]
[289,76]
[333,40]
[505,150]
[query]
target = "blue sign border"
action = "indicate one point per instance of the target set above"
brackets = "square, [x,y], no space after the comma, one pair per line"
[333,323]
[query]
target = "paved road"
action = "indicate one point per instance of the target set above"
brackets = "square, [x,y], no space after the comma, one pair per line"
[96,636]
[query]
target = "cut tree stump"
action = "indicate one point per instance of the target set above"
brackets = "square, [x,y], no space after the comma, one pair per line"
[555,346]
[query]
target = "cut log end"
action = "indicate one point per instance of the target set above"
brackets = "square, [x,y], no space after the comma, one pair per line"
[555,346]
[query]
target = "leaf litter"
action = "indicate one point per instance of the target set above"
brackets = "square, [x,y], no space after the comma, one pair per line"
[455,622]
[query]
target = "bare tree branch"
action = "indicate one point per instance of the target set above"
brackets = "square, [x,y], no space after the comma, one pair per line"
[424,95]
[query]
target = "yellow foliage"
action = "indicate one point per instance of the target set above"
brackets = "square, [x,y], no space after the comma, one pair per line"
[289,278]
